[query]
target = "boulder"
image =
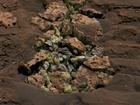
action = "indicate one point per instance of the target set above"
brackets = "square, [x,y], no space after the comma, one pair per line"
[87,29]
[55,11]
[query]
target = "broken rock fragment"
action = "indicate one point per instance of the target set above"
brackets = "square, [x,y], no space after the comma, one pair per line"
[91,12]
[77,1]
[58,79]
[86,28]
[105,78]
[77,4]
[32,65]
[85,79]
[36,80]
[98,63]
[75,43]
[43,24]
[66,28]
[99,51]
[7,19]
[47,2]
[55,11]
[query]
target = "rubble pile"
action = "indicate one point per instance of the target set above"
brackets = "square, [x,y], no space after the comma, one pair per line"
[67,59]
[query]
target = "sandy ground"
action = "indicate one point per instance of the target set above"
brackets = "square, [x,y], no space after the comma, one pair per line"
[121,24]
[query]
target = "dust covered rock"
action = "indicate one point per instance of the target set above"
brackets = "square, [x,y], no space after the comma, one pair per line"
[98,63]
[66,27]
[104,77]
[32,65]
[75,43]
[43,24]
[76,1]
[76,4]
[7,19]
[47,2]
[58,80]
[86,27]
[9,5]
[36,80]
[85,79]
[55,11]
[91,12]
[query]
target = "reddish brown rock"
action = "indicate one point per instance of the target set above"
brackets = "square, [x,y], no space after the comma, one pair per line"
[55,11]
[26,68]
[85,79]
[45,25]
[7,19]
[91,12]
[86,27]
[107,80]
[66,27]
[77,2]
[48,34]
[47,2]
[36,80]
[57,80]
[40,56]
[98,63]
[75,43]
[130,14]
[41,23]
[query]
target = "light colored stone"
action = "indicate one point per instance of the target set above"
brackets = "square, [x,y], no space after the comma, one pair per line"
[55,11]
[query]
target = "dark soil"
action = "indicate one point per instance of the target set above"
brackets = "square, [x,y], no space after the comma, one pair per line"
[120,22]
